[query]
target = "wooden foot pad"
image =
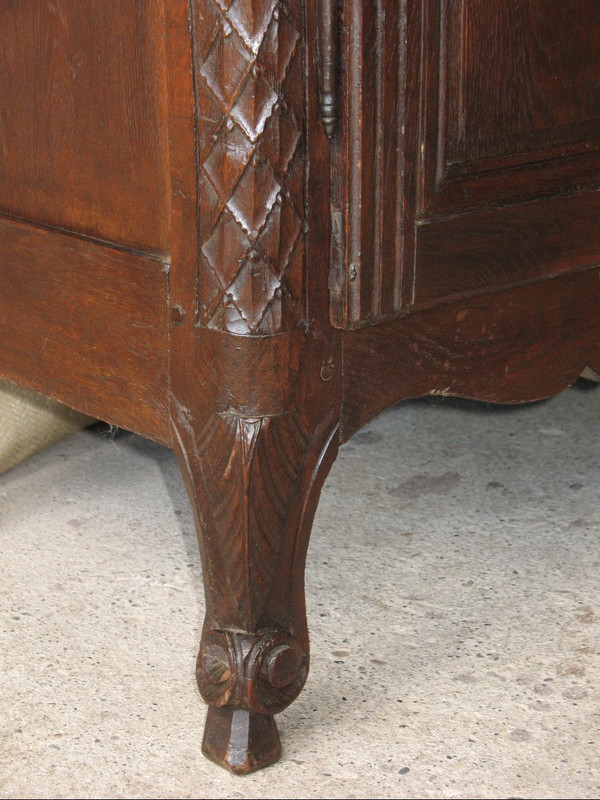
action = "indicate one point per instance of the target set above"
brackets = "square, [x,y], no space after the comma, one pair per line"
[241,741]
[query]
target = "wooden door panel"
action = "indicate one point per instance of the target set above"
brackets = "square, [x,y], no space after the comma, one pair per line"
[83,143]
[509,137]
[520,75]
[513,91]
[466,128]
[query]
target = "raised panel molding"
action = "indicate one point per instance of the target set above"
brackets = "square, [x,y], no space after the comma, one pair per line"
[549,86]
[506,187]
[548,111]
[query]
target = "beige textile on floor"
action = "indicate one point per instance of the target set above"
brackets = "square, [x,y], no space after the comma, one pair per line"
[589,375]
[30,422]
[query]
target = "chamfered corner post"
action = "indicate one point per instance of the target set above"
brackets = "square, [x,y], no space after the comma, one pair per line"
[255,364]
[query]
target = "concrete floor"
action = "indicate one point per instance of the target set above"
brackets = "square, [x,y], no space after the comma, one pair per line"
[453,598]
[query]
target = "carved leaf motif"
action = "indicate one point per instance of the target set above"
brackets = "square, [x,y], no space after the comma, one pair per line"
[246,528]
[226,447]
[249,140]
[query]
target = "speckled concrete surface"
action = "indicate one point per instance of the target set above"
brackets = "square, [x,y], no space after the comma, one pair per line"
[453,597]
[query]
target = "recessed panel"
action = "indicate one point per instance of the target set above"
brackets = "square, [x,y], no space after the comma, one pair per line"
[509,157]
[512,105]
[519,75]
[86,325]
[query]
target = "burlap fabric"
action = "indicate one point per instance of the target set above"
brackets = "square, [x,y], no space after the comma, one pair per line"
[30,422]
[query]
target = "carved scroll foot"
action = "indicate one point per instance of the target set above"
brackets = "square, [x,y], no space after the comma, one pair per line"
[241,741]
[254,483]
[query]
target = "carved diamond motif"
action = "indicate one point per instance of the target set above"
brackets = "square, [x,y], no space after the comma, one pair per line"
[254,105]
[227,160]
[280,141]
[278,47]
[251,19]
[226,66]
[252,290]
[279,236]
[254,197]
[226,248]
[251,206]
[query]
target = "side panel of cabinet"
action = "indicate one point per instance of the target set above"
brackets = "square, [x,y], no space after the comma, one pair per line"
[83,139]
[509,159]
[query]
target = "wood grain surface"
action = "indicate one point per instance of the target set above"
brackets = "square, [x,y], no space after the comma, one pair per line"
[249,92]
[255,366]
[283,217]
[504,246]
[83,128]
[516,346]
[367,258]
[86,325]
[457,119]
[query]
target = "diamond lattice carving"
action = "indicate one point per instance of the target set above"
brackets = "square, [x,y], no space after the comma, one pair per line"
[250,107]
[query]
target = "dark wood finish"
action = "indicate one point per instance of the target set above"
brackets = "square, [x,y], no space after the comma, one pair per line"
[226,249]
[255,380]
[87,325]
[513,245]
[249,93]
[510,113]
[367,270]
[530,342]
[550,95]
[328,50]
[451,109]
[484,146]
[83,129]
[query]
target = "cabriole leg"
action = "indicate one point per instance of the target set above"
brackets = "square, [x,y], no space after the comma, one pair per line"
[254,484]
